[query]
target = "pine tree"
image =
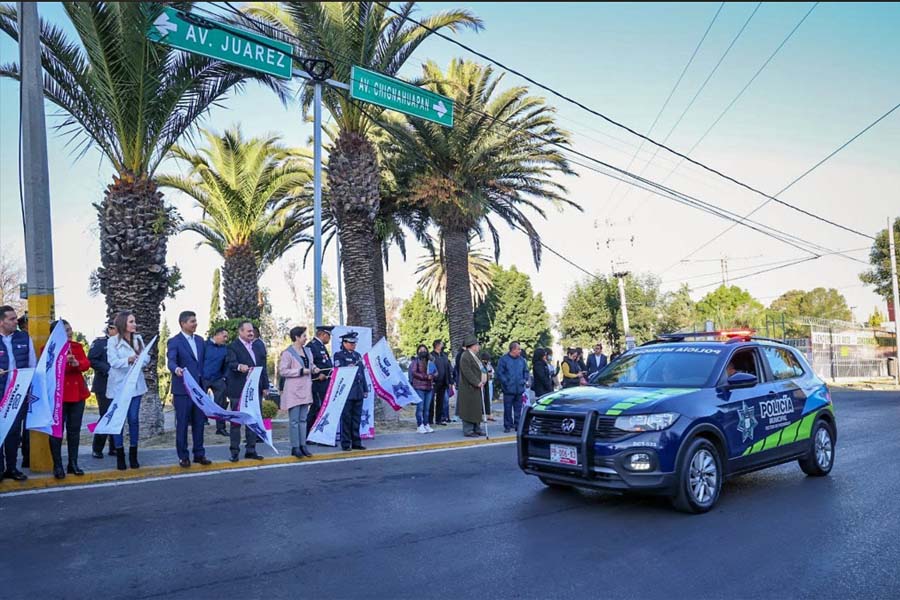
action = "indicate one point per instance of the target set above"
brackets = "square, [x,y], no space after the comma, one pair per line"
[420,323]
[512,312]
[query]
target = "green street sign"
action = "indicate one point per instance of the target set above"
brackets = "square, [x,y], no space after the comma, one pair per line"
[221,42]
[394,94]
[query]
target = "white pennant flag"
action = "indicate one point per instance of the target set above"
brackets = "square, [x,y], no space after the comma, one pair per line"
[16,395]
[113,420]
[45,402]
[325,427]
[391,385]
[250,406]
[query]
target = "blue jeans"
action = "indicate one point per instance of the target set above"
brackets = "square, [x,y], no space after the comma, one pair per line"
[512,408]
[423,408]
[134,411]
[445,406]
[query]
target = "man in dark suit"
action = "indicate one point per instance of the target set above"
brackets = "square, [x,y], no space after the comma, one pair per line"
[596,360]
[97,357]
[185,353]
[243,354]
[322,361]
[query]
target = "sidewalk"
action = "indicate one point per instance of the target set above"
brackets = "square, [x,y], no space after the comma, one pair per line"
[163,462]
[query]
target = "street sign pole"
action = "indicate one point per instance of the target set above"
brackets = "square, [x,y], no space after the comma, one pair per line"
[36,208]
[317,203]
[340,286]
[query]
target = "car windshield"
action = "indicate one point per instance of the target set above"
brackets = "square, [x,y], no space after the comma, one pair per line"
[661,366]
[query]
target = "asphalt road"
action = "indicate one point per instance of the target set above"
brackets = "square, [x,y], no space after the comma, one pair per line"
[465,524]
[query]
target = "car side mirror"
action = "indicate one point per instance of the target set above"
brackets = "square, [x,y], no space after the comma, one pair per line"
[742,380]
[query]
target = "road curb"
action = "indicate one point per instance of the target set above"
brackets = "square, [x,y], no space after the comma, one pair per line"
[7,486]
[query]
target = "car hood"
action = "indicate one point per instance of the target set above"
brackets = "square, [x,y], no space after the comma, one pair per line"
[609,401]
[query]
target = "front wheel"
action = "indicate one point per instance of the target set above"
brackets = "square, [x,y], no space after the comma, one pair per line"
[820,457]
[699,478]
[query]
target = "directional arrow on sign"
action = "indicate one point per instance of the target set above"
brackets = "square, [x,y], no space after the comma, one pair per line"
[164,26]
[439,108]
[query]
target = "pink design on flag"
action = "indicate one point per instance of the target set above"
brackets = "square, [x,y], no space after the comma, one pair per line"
[379,390]
[59,373]
[327,400]
[91,427]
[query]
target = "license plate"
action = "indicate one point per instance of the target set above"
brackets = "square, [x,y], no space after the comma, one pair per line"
[567,455]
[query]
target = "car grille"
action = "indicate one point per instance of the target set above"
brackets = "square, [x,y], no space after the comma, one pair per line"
[606,429]
[547,425]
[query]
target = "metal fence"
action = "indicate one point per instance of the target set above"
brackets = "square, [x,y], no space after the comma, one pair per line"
[838,349]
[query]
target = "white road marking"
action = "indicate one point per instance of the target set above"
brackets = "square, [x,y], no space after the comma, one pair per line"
[93,486]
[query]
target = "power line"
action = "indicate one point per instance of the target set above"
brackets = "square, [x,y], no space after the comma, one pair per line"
[741,93]
[792,183]
[614,122]
[791,264]
[671,93]
[697,93]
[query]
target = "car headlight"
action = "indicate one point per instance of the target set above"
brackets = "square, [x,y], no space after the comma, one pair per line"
[655,422]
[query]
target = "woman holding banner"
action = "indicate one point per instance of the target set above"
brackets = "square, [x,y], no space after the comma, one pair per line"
[122,351]
[75,392]
[297,368]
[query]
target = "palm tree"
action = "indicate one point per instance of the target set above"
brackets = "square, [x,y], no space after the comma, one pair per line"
[248,190]
[132,99]
[433,276]
[368,35]
[498,159]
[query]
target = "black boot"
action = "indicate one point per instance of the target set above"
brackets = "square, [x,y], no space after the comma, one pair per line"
[112,447]
[120,459]
[132,458]
[74,469]
[56,455]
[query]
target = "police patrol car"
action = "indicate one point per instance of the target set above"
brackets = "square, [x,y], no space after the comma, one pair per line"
[678,415]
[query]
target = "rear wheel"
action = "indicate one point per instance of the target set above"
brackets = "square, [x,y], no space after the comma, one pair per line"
[699,478]
[820,457]
[553,485]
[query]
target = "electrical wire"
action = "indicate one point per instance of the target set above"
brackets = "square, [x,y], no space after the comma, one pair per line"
[696,95]
[737,97]
[669,97]
[791,184]
[612,121]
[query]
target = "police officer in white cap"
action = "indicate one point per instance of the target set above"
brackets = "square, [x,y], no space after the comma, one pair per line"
[347,356]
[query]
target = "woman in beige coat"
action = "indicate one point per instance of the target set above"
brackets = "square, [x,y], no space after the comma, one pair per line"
[297,367]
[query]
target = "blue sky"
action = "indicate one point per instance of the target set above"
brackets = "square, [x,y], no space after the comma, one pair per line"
[835,75]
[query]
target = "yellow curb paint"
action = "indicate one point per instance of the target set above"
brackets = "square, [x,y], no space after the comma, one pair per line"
[149,472]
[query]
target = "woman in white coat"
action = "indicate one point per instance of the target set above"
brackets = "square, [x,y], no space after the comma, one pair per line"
[297,368]
[122,351]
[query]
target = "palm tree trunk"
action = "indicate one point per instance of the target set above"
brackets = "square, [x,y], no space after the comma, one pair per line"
[240,279]
[460,315]
[353,181]
[134,229]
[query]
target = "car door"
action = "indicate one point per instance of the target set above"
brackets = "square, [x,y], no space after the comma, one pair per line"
[782,411]
[740,406]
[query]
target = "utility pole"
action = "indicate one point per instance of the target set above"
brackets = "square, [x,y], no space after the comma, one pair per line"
[893,252]
[36,207]
[620,272]
[340,287]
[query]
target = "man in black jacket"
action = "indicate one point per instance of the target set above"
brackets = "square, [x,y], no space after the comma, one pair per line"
[243,354]
[322,361]
[97,357]
[440,413]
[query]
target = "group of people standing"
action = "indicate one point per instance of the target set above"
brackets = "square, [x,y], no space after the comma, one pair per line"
[473,376]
